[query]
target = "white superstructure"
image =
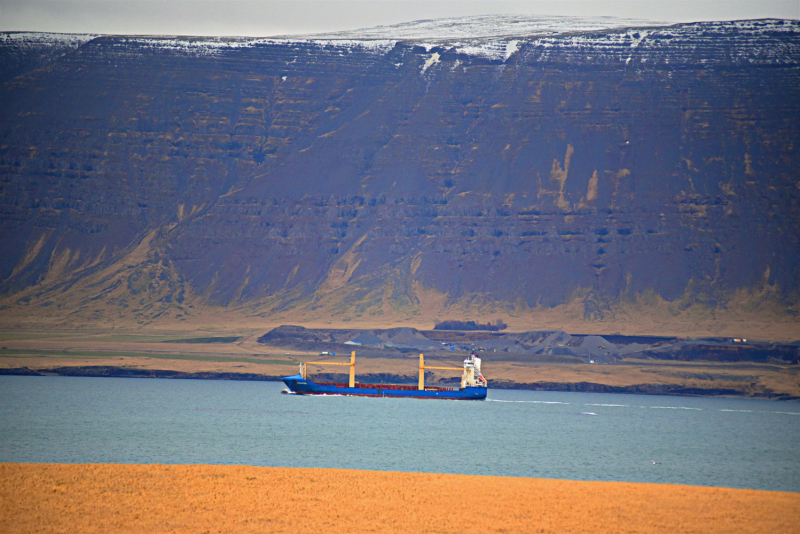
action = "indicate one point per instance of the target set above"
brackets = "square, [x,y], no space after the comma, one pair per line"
[472,372]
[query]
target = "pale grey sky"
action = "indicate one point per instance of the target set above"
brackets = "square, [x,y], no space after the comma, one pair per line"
[276,17]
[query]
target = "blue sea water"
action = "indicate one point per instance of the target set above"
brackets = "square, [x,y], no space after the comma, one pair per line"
[582,436]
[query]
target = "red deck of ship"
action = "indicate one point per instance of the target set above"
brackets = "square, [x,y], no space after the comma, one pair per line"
[384,387]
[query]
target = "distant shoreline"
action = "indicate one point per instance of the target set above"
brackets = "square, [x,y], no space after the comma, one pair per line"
[573,387]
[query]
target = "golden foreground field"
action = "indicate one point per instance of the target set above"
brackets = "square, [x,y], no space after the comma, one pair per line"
[200,498]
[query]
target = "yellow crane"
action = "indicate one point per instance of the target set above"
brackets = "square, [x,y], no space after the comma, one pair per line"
[352,365]
[422,368]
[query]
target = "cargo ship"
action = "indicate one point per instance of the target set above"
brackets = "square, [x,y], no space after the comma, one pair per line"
[473,384]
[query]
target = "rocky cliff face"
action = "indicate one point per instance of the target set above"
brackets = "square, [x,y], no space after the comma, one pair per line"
[626,169]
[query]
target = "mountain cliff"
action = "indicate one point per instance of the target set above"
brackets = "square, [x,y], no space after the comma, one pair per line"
[552,174]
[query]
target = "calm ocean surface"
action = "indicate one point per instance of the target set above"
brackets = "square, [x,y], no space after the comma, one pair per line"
[581,436]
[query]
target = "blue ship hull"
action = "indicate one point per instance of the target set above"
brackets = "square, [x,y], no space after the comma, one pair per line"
[297,384]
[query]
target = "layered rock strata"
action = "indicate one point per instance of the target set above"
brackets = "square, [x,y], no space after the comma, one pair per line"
[651,167]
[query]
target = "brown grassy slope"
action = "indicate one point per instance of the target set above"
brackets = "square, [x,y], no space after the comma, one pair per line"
[130,292]
[38,308]
[567,318]
[157,498]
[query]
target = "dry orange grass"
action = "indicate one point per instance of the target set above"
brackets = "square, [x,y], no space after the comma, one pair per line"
[157,498]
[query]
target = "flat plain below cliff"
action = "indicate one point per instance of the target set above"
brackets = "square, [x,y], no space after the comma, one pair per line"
[552,365]
[557,174]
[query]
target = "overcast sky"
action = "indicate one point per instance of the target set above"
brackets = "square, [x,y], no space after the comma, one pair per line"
[277,17]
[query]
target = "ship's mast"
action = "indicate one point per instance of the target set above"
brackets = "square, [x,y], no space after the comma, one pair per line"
[471,376]
[352,364]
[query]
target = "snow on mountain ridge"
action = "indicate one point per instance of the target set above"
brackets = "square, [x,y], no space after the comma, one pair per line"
[491,37]
[43,37]
[485,27]
[496,38]
[753,42]
[21,52]
[214,45]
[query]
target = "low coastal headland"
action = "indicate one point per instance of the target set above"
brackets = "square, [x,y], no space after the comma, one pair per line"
[234,499]
[550,360]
